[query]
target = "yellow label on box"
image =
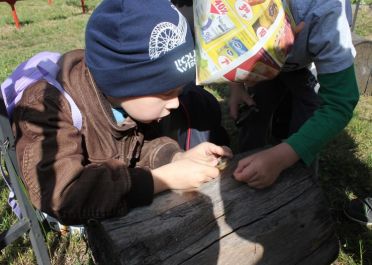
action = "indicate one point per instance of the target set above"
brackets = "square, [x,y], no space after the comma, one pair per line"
[238,40]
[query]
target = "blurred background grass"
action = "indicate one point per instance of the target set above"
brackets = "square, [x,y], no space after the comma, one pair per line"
[345,165]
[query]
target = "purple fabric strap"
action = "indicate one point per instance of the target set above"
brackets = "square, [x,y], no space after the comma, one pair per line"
[12,201]
[11,197]
[42,66]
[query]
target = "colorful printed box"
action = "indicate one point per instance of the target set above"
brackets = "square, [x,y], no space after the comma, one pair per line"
[239,40]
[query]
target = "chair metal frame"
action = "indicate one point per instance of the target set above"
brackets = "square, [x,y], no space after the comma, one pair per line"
[29,224]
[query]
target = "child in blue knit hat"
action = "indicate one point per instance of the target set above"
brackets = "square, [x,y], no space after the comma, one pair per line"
[139,59]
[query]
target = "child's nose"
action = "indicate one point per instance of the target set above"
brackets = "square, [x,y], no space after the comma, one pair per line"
[173,103]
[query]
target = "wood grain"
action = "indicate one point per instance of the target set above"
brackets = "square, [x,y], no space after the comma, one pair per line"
[224,222]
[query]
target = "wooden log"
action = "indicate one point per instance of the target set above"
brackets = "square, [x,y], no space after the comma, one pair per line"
[363,64]
[224,222]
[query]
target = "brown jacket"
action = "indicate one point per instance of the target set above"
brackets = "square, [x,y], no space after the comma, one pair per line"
[98,172]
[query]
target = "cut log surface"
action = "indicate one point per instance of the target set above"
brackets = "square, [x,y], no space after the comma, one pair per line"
[224,222]
[363,64]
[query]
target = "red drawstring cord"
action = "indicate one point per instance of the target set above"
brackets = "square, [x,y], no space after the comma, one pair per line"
[188,135]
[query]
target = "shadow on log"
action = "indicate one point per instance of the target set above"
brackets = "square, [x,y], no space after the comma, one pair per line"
[224,222]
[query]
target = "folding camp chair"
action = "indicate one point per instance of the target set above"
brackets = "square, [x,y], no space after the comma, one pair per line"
[29,222]
[14,12]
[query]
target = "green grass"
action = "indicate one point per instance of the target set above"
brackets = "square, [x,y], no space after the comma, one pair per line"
[363,25]
[364,2]
[346,173]
[56,27]
[345,165]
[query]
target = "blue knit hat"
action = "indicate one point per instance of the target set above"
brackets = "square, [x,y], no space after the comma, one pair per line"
[139,47]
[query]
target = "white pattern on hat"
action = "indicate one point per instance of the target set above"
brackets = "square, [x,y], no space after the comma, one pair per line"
[166,36]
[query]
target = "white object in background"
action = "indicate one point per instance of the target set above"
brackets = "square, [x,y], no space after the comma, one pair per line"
[312,68]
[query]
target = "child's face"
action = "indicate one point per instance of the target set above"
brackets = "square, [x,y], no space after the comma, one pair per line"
[150,108]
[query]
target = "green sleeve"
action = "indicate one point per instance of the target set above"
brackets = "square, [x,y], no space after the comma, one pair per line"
[339,95]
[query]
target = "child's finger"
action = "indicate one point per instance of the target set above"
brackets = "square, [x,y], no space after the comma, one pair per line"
[212,172]
[299,27]
[246,174]
[224,151]
[242,164]
[234,111]
[218,151]
[254,179]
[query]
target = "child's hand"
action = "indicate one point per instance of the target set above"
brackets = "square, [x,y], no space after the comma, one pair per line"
[298,28]
[206,153]
[182,174]
[237,97]
[261,170]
